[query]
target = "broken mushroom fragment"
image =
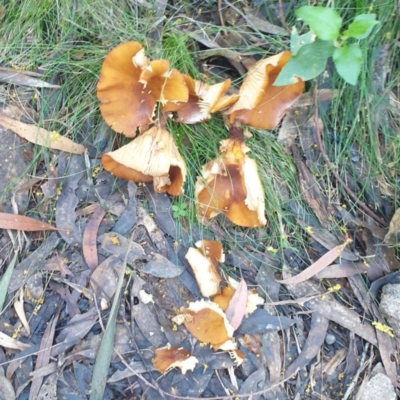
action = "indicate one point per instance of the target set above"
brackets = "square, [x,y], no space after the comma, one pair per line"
[227,292]
[204,262]
[261,104]
[153,156]
[207,323]
[168,358]
[130,86]
[203,100]
[230,185]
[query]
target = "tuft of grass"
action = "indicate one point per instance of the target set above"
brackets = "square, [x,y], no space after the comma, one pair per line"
[67,41]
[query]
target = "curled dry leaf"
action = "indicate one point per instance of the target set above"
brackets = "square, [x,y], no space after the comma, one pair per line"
[203,100]
[207,323]
[204,262]
[130,86]
[153,156]
[10,343]
[260,104]
[230,185]
[168,358]
[19,309]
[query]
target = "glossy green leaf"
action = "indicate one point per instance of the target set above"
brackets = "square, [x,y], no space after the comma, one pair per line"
[348,61]
[297,41]
[308,63]
[325,22]
[362,26]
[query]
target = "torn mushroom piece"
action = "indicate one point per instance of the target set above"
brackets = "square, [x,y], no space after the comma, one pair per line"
[208,324]
[153,156]
[223,299]
[230,185]
[168,358]
[130,86]
[262,105]
[203,100]
[204,262]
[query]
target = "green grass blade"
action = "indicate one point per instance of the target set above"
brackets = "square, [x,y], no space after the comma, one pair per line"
[103,359]
[5,281]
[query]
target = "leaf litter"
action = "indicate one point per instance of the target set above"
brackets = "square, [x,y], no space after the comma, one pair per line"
[97,298]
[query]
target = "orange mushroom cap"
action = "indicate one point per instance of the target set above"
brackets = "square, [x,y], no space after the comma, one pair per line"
[207,323]
[153,156]
[130,85]
[203,100]
[230,185]
[171,357]
[262,105]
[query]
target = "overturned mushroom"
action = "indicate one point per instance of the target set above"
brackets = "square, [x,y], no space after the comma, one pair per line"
[203,100]
[153,156]
[204,262]
[168,358]
[230,185]
[130,86]
[207,323]
[261,104]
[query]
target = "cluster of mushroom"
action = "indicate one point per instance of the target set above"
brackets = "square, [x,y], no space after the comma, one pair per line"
[136,95]
[205,319]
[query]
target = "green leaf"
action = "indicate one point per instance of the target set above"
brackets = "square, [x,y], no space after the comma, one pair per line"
[324,22]
[176,214]
[5,280]
[348,61]
[297,41]
[361,27]
[307,64]
[175,207]
[101,367]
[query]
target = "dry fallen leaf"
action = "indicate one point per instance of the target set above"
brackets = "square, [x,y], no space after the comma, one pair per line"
[89,243]
[394,229]
[318,266]
[22,223]
[10,343]
[19,309]
[237,305]
[41,137]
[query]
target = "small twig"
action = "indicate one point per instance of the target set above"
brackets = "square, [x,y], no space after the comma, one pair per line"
[362,205]
[221,16]
[357,374]
[282,16]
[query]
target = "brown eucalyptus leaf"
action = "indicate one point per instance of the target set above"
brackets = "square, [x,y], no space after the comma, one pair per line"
[22,223]
[89,243]
[41,137]
[237,305]
[318,266]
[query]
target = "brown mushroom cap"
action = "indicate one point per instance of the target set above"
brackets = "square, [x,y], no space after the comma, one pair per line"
[129,87]
[262,105]
[230,185]
[151,156]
